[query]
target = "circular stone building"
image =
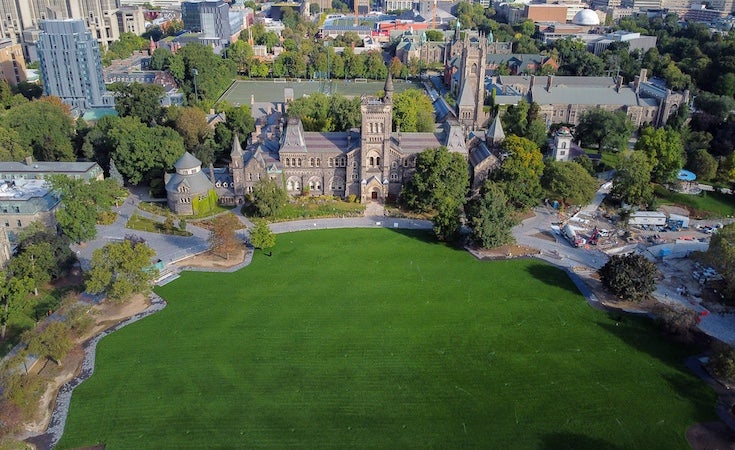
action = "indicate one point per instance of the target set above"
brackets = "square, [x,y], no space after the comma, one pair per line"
[187,185]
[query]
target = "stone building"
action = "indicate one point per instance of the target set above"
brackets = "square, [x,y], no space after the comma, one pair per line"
[367,164]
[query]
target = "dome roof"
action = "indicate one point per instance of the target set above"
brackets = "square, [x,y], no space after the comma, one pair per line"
[586,17]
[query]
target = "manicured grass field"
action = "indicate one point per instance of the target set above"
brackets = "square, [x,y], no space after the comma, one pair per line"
[384,339]
[706,205]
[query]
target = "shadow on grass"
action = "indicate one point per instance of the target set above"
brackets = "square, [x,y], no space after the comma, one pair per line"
[568,441]
[641,333]
[552,276]
[425,236]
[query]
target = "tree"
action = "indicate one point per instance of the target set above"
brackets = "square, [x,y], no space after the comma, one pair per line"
[521,172]
[35,262]
[53,342]
[515,119]
[630,276]
[14,292]
[223,238]
[261,235]
[139,151]
[721,254]
[139,100]
[703,164]
[569,181]
[38,233]
[604,128]
[121,269]
[190,123]
[490,217]
[268,197]
[81,204]
[632,181]
[722,361]
[45,128]
[665,149]
[413,111]
[439,184]
[11,145]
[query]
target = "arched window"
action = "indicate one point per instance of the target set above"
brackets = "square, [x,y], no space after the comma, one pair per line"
[288,162]
[405,162]
[289,185]
[330,162]
[318,162]
[298,161]
[377,161]
[563,145]
[394,164]
[372,161]
[394,176]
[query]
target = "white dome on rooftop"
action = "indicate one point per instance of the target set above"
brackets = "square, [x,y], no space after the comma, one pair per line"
[586,17]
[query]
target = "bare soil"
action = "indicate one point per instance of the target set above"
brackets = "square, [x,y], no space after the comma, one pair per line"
[503,252]
[208,260]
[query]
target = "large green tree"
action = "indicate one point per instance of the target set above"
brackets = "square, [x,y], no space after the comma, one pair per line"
[53,341]
[721,255]
[630,277]
[223,237]
[665,149]
[520,174]
[14,292]
[413,111]
[320,112]
[605,129]
[268,197]
[490,217]
[632,180]
[439,184]
[81,203]
[139,100]
[703,164]
[45,128]
[121,269]
[569,181]
[35,262]
[140,151]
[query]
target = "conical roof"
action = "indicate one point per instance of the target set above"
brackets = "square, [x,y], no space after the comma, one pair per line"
[187,161]
[388,83]
[495,133]
[236,147]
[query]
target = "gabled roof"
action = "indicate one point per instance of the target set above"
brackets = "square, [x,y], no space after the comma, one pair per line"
[467,94]
[455,139]
[481,154]
[293,140]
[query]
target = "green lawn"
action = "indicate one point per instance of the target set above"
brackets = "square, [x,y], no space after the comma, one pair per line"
[705,205]
[377,338]
[141,223]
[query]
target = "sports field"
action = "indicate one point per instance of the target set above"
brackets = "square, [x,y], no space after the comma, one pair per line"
[385,339]
[240,92]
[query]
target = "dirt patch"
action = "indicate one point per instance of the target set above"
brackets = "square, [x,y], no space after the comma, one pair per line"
[106,315]
[208,260]
[503,252]
[711,435]
[545,235]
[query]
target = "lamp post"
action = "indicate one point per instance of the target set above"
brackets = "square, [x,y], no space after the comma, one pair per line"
[195,72]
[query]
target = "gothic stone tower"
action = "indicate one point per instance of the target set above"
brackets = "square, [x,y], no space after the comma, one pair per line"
[377,120]
[472,83]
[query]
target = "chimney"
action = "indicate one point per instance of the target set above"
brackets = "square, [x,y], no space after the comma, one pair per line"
[211,111]
[644,75]
[618,83]
[29,160]
[211,173]
[269,109]
[637,83]
[549,82]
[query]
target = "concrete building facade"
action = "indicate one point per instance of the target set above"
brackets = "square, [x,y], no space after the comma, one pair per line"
[70,64]
[12,64]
